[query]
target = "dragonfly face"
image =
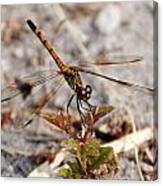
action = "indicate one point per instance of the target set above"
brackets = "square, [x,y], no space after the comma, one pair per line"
[84,93]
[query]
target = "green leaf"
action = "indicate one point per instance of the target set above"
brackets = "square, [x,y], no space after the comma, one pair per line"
[102,111]
[105,109]
[74,171]
[71,144]
[75,167]
[88,151]
[106,156]
[91,148]
[65,173]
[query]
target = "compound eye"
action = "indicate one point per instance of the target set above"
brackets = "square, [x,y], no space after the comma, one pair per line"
[88,95]
[88,89]
[83,92]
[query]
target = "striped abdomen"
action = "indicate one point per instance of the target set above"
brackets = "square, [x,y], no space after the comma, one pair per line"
[47,45]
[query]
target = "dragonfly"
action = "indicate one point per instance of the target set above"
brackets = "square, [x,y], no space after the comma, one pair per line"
[70,73]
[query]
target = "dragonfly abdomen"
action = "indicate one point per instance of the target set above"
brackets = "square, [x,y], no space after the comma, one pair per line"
[47,44]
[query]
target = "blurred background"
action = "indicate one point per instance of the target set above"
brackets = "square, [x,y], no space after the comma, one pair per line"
[92,30]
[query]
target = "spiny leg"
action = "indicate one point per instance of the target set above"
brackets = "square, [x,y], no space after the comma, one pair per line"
[69,102]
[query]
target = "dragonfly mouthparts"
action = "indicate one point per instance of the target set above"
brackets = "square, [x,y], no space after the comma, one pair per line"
[31,25]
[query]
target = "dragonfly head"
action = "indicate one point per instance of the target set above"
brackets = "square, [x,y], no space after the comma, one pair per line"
[84,93]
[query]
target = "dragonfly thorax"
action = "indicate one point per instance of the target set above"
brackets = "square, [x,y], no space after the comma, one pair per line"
[73,78]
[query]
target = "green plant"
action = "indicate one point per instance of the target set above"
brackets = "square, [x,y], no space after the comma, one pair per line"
[89,160]
[86,158]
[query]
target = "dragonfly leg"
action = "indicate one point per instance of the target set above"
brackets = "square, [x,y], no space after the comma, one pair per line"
[27,122]
[20,126]
[87,109]
[69,102]
[79,110]
[90,105]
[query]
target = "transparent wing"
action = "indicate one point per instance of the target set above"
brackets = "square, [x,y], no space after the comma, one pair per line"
[9,93]
[40,77]
[16,88]
[111,60]
[120,82]
[27,110]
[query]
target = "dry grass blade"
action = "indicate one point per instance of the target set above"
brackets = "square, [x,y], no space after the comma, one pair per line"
[136,148]
[131,141]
